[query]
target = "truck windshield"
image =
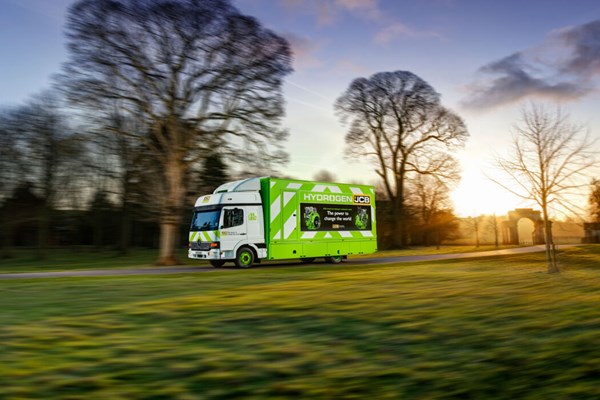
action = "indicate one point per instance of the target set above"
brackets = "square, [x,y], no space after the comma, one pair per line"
[206,220]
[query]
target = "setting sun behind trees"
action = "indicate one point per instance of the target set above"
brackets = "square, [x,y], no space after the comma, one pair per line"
[476,195]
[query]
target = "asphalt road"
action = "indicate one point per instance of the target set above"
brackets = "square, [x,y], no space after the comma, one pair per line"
[196,269]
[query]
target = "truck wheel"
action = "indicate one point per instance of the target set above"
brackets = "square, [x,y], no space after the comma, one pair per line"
[244,258]
[334,259]
[217,263]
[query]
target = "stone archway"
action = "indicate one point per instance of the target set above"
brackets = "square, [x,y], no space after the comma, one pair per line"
[510,233]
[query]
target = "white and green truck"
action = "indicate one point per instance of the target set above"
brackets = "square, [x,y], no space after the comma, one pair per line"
[275,219]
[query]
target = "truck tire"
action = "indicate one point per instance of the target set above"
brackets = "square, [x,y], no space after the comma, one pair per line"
[334,259]
[217,263]
[244,258]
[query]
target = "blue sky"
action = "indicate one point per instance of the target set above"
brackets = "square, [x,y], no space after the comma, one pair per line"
[486,58]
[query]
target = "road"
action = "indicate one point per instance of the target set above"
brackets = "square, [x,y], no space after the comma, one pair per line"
[196,269]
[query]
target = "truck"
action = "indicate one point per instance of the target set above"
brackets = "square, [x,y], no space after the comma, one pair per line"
[266,218]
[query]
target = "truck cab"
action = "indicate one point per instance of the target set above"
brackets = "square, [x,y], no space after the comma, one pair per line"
[228,225]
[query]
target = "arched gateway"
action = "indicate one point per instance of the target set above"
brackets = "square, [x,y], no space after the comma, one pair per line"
[510,233]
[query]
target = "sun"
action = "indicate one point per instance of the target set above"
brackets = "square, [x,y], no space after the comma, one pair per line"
[478,195]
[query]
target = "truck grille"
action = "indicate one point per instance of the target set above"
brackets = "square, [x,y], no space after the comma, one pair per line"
[200,246]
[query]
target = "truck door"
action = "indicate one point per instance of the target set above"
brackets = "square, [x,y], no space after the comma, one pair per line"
[233,228]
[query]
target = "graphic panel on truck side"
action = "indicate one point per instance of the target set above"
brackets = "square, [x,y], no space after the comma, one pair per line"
[334,217]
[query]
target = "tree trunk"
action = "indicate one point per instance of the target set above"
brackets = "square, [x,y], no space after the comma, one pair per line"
[172,211]
[550,253]
[169,238]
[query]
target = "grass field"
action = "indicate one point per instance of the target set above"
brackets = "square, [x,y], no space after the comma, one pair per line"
[485,328]
[61,259]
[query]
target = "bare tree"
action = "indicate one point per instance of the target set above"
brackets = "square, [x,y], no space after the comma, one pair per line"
[397,120]
[200,74]
[13,166]
[53,154]
[549,158]
[493,226]
[428,197]
[474,225]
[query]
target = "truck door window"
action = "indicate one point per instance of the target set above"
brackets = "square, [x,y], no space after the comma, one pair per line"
[233,217]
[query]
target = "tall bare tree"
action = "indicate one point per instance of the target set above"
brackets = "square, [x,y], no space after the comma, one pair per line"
[397,120]
[51,154]
[202,76]
[428,197]
[547,164]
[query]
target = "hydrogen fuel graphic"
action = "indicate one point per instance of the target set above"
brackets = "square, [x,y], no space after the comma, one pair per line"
[361,221]
[312,219]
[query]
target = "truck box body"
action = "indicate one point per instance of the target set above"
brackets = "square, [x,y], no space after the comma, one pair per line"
[284,219]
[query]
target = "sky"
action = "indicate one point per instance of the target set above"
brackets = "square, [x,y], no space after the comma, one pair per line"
[487,59]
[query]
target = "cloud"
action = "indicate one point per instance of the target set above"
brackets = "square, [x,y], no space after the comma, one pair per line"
[397,30]
[366,8]
[390,32]
[329,11]
[304,51]
[540,73]
[584,42]
[352,68]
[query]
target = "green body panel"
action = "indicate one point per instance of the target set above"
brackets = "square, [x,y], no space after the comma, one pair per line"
[306,219]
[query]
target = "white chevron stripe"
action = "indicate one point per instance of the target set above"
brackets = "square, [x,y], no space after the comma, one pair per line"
[309,235]
[275,208]
[287,196]
[294,186]
[290,226]
[346,234]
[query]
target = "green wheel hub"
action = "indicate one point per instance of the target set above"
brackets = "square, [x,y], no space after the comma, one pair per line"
[245,258]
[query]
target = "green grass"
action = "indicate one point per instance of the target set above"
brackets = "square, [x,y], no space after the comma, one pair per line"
[487,328]
[428,250]
[61,259]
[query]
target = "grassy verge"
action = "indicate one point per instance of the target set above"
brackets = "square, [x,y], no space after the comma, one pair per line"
[26,260]
[62,259]
[489,328]
[428,250]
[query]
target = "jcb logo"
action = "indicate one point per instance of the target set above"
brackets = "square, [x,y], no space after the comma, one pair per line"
[361,199]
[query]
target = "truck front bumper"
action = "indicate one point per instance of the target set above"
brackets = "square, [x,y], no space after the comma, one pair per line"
[214,254]
[204,255]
